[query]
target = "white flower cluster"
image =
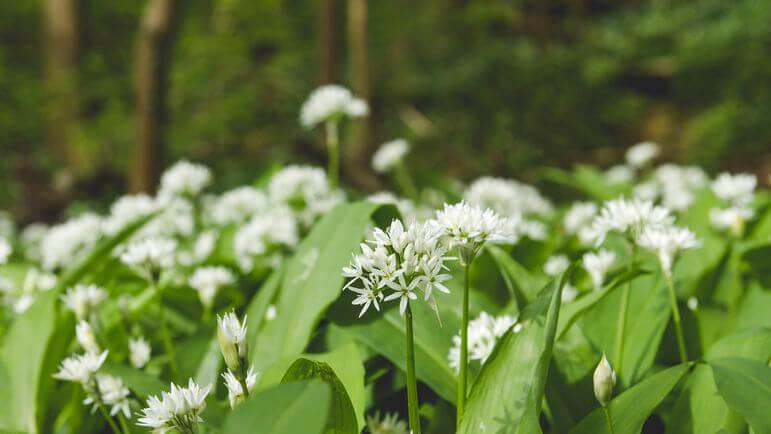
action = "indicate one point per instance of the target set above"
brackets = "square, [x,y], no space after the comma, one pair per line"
[178,409]
[597,264]
[666,242]
[208,281]
[306,191]
[35,282]
[83,299]
[620,174]
[239,205]
[578,221]
[5,250]
[468,227]
[266,236]
[184,179]
[400,260]
[330,103]
[629,218]
[139,352]
[641,154]
[388,424]
[507,197]
[483,333]
[101,389]
[68,242]
[150,255]
[127,209]
[389,155]
[556,265]
[738,191]
[235,389]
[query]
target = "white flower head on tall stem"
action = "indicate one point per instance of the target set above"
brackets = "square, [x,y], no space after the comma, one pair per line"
[86,338]
[235,389]
[507,197]
[208,281]
[126,210]
[5,250]
[556,265]
[111,391]
[66,243]
[620,174]
[389,155]
[597,265]
[306,191]
[733,219]
[667,242]
[184,179]
[469,227]
[231,334]
[738,189]
[81,368]
[401,260]
[629,218]
[139,352]
[178,409]
[579,216]
[150,255]
[641,154]
[330,103]
[388,424]
[239,205]
[483,333]
[83,299]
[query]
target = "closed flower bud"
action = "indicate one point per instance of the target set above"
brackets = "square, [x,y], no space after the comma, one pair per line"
[604,381]
[231,334]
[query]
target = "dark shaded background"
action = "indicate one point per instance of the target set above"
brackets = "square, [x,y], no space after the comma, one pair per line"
[495,87]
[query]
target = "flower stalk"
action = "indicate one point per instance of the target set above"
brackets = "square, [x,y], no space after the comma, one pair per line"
[676,318]
[109,420]
[168,344]
[333,149]
[463,378]
[412,386]
[622,313]
[405,181]
[608,419]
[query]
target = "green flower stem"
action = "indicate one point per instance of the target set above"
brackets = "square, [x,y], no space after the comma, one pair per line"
[412,385]
[462,380]
[109,420]
[124,423]
[405,181]
[606,410]
[676,318]
[622,314]
[333,149]
[168,344]
[242,381]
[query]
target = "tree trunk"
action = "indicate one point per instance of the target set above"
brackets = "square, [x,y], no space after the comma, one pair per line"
[152,66]
[327,39]
[62,55]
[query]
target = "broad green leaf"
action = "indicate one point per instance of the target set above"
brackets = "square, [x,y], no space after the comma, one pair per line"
[346,363]
[312,281]
[292,408]
[255,312]
[746,386]
[630,409]
[199,357]
[587,180]
[506,396]
[140,382]
[520,282]
[341,419]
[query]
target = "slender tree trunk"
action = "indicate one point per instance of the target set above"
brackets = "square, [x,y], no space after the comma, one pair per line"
[152,66]
[62,57]
[327,40]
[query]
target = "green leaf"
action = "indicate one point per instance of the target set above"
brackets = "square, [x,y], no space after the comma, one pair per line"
[746,386]
[346,363]
[630,409]
[341,419]
[312,282]
[506,396]
[255,312]
[140,382]
[587,180]
[518,280]
[292,408]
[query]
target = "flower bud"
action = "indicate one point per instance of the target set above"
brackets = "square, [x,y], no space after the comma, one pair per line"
[85,335]
[604,381]
[231,334]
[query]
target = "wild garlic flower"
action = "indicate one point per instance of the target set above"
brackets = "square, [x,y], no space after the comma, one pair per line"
[112,392]
[235,389]
[306,191]
[178,409]
[266,235]
[389,155]
[330,103]
[677,184]
[667,242]
[569,293]
[32,239]
[579,216]
[239,205]
[5,250]
[733,219]
[35,282]
[83,299]
[81,368]
[507,197]
[231,334]
[176,219]
[401,260]
[388,424]
[184,179]
[641,154]
[126,210]
[693,303]
[66,243]
[556,265]
[483,333]
[620,174]
[468,227]
[597,265]
[208,281]
[738,189]
[86,338]
[604,380]
[139,352]
[150,255]
[629,218]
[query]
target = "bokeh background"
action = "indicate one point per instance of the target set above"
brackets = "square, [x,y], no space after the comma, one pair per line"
[96,97]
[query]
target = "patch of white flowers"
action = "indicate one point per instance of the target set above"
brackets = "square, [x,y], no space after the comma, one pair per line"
[597,264]
[389,155]
[483,333]
[642,154]
[330,103]
[184,179]
[556,265]
[207,281]
[738,192]
[139,352]
[5,250]
[66,243]
[239,205]
[306,191]
[389,423]
[468,227]
[507,197]
[178,409]
[150,255]
[629,218]
[83,299]
[667,242]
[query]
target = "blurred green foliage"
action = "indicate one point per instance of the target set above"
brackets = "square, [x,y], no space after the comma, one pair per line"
[508,86]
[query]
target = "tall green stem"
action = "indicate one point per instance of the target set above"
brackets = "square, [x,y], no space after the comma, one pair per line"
[462,380]
[606,410]
[168,345]
[676,318]
[622,313]
[405,181]
[124,424]
[333,149]
[109,420]
[412,385]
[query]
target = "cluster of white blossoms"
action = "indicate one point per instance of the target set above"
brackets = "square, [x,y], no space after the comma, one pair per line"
[178,409]
[126,209]
[483,333]
[620,174]
[738,192]
[641,154]
[389,155]
[468,227]
[238,205]
[86,338]
[66,243]
[184,179]
[306,191]
[330,103]
[207,281]
[240,378]
[629,218]
[578,221]
[266,236]
[507,197]
[597,264]
[556,265]
[388,424]
[83,299]
[150,255]
[100,389]
[35,282]
[236,392]
[666,242]
[113,393]
[401,261]
[5,250]
[139,352]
